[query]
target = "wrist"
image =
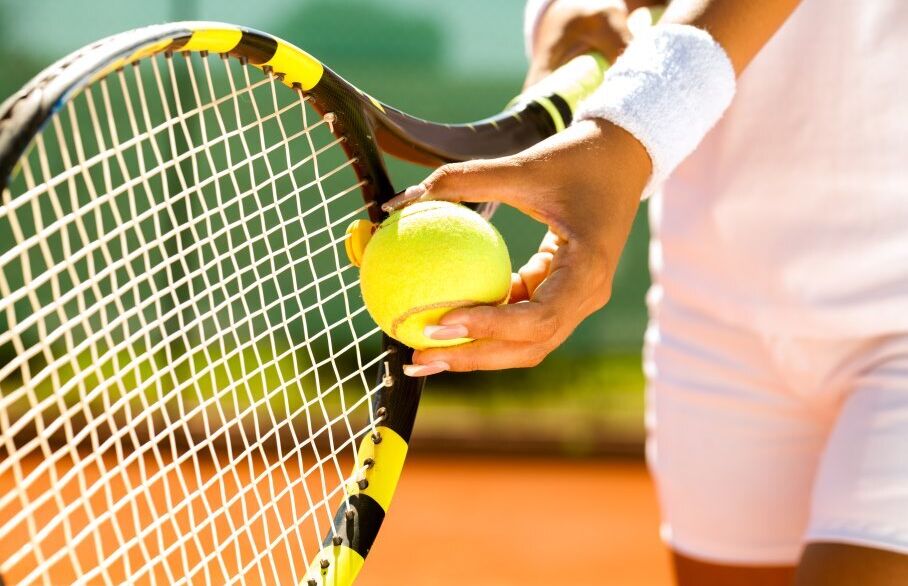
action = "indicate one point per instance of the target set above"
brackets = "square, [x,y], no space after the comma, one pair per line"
[622,159]
[668,90]
[616,176]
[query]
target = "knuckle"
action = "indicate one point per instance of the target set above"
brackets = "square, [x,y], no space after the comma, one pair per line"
[464,363]
[512,163]
[483,323]
[534,361]
[602,291]
[536,356]
[547,326]
[444,175]
[603,294]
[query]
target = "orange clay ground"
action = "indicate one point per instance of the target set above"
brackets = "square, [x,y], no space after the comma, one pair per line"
[454,521]
[502,522]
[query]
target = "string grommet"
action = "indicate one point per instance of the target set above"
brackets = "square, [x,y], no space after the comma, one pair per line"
[330,119]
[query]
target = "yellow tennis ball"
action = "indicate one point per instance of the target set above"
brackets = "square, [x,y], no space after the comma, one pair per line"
[427,259]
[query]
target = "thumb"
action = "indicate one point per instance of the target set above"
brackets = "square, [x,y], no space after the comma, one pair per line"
[485,180]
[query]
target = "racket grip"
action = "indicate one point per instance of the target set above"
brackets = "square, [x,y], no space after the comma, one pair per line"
[572,82]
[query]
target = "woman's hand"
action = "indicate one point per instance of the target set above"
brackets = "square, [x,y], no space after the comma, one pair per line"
[569,28]
[585,185]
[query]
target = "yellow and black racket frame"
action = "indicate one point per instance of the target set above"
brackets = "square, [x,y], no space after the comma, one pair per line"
[369,128]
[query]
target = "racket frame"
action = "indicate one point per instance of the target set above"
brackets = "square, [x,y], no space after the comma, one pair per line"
[368,128]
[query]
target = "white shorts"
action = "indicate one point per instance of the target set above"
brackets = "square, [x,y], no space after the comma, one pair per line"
[761,444]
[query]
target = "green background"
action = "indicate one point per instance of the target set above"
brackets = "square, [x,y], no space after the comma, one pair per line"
[446,61]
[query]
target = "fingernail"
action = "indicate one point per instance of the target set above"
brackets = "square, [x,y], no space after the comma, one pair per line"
[406,196]
[426,369]
[414,191]
[445,332]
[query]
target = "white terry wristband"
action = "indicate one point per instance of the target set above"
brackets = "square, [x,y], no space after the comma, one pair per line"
[668,89]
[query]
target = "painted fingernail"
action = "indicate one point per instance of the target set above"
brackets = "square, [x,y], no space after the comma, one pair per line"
[414,191]
[408,195]
[427,369]
[445,332]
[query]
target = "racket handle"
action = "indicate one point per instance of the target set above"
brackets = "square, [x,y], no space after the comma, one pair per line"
[569,84]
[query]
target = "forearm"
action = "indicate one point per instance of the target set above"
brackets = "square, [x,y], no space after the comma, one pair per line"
[674,82]
[741,27]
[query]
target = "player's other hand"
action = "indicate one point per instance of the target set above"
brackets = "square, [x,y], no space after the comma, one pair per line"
[569,28]
[585,185]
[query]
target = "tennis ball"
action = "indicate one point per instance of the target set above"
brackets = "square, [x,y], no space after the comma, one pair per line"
[427,259]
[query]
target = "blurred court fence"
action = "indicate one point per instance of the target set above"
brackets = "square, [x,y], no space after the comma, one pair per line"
[444,61]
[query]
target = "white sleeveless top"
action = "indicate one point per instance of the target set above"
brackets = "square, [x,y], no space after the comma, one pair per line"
[792,216]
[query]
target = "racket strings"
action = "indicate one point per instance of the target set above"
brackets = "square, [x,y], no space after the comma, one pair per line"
[189,373]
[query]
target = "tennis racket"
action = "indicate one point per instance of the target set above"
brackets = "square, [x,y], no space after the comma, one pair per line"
[190,388]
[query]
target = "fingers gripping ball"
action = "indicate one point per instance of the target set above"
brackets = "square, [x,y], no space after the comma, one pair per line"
[425,260]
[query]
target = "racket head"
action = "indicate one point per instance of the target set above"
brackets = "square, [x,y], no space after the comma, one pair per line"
[364,129]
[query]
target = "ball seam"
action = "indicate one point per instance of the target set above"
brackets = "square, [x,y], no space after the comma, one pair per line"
[400,319]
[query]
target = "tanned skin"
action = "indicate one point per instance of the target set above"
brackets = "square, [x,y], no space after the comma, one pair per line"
[585,185]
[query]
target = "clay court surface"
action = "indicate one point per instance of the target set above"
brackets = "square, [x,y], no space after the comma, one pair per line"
[454,521]
[458,521]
